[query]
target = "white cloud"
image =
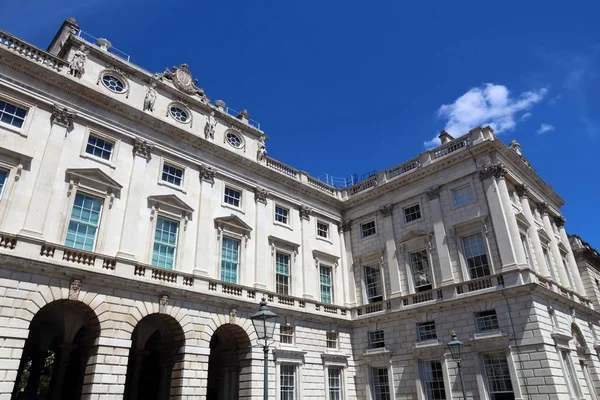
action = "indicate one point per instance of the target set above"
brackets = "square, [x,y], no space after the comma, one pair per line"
[525,116]
[544,128]
[489,104]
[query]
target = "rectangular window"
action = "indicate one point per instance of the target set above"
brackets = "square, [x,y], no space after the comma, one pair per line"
[548,262]
[486,321]
[569,373]
[376,340]
[332,340]
[412,213]
[233,197]
[380,384]
[323,229]
[282,273]
[421,272]
[83,226]
[172,174]
[432,377]
[326,275]
[282,214]
[426,331]
[367,229]
[476,256]
[286,334]
[12,115]
[287,382]
[525,243]
[373,284]
[99,147]
[498,376]
[165,243]
[3,178]
[230,260]
[462,195]
[334,378]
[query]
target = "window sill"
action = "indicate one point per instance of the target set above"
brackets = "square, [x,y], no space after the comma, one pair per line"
[18,131]
[172,186]
[492,333]
[413,222]
[455,207]
[368,237]
[427,343]
[325,239]
[286,226]
[231,207]
[108,163]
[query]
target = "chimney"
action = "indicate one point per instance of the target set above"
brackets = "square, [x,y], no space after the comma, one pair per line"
[516,147]
[69,27]
[445,137]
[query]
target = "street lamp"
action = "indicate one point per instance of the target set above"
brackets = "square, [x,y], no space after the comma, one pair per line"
[264,325]
[456,346]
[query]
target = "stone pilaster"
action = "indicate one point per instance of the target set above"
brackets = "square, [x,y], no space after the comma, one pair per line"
[61,123]
[439,232]
[206,251]
[129,235]
[562,272]
[263,270]
[532,232]
[390,250]
[310,272]
[572,267]
[347,261]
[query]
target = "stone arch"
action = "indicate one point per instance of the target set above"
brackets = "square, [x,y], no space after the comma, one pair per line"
[216,321]
[156,347]
[61,340]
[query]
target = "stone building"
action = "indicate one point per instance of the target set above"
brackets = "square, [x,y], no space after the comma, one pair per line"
[141,224]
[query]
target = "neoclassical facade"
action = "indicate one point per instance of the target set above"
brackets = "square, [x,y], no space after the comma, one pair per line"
[141,223]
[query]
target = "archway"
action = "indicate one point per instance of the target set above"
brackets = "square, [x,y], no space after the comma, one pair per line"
[156,343]
[228,363]
[56,352]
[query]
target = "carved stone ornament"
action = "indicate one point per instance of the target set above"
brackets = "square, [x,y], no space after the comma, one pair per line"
[207,174]
[305,212]
[345,226]
[386,210]
[77,65]
[209,127]
[62,116]
[543,208]
[497,170]
[433,192]
[560,221]
[522,190]
[163,302]
[232,316]
[182,80]
[260,194]
[262,150]
[74,289]
[150,98]
[142,148]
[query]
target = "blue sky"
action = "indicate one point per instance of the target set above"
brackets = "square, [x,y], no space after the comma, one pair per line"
[342,87]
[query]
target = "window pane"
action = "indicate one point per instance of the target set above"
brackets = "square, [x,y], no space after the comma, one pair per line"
[426,331]
[165,243]
[3,177]
[99,147]
[433,380]
[335,383]
[412,213]
[83,225]
[421,271]
[233,197]
[322,229]
[287,382]
[332,340]
[172,175]
[380,384]
[12,115]
[476,256]
[326,285]
[281,214]
[376,339]
[498,375]
[462,196]
[282,273]
[367,229]
[486,321]
[373,284]
[230,260]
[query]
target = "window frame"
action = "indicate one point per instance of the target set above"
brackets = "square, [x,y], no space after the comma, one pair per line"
[329,340]
[30,108]
[239,258]
[230,186]
[412,269]
[287,224]
[486,377]
[340,379]
[184,172]
[463,255]
[373,386]
[526,248]
[290,334]
[177,241]
[425,368]
[362,224]
[119,76]
[4,184]
[571,379]
[290,256]
[239,135]
[70,214]
[415,204]
[296,389]
[328,225]
[332,286]
[379,342]
[183,108]
[493,314]
[377,268]
[423,336]
[459,187]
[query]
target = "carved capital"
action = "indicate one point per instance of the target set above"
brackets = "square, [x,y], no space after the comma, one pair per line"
[433,192]
[497,170]
[207,173]
[386,211]
[62,116]
[522,190]
[260,195]
[345,226]
[305,212]
[559,220]
[142,148]
[163,302]
[543,208]
[74,289]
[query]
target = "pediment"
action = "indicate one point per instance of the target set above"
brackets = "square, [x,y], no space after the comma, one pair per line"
[233,221]
[413,235]
[543,235]
[170,201]
[522,221]
[93,176]
[283,243]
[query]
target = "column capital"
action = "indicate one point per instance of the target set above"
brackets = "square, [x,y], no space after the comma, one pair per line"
[433,192]
[522,190]
[559,220]
[62,116]
[207,173]
[345,226]
[497,170]
[142,148]
[543,208]
[386,211]
[305,212]
[260,195]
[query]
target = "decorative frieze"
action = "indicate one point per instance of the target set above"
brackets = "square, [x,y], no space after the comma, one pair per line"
[433,192]
[142,148]
[260,195]
[386,210]
[62,116]
[305,212]
[207,173]
[497,170]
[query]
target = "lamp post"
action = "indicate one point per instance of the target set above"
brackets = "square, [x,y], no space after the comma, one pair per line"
[455,346]
[264,325]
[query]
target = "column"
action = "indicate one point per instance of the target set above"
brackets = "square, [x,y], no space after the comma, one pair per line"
[61,370]
[206,237]
[562,272]
[506,246]
[108,381]
[439,232]
[263,271]
[522,191]
[129,234]
[511,221]
[345,232]
[560,223]
[390,250]
[310,271]
[61,123]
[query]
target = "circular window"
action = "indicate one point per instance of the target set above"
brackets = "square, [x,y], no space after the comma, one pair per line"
[113,83]
[179,114]
[234,139]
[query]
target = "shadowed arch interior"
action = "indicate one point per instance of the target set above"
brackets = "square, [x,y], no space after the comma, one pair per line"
[229,363]
[156,347]
[60,342]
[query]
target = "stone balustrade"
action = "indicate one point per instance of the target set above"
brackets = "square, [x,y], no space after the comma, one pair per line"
[16,45]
